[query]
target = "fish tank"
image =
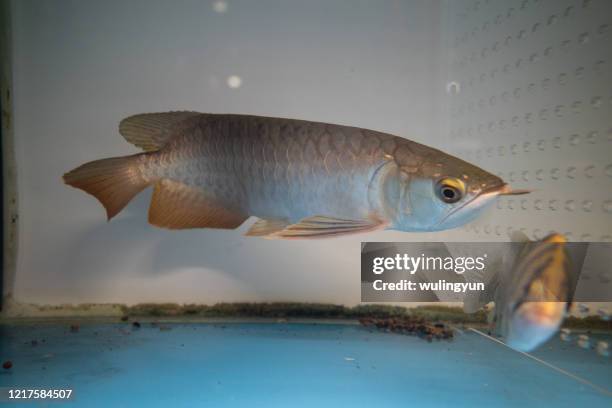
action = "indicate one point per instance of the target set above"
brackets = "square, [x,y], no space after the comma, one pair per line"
[236,203]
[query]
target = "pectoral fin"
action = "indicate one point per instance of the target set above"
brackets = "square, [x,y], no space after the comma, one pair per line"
[151,131]
[327,227]
[266,227]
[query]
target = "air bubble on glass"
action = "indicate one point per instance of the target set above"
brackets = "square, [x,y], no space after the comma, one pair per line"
[539,174]
[566,44]
[526,146]
[554,174]
[518,63]
[562,78]
[589,171]
[537,234]
[574,139]
[453,88]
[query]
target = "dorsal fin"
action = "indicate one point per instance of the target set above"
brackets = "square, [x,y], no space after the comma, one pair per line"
[151,131]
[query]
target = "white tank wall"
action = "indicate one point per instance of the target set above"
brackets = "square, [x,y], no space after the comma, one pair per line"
[533,102]
[535,108]
[81,66]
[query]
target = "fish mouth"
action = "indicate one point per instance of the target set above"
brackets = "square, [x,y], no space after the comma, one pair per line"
[505,189]
[497,190]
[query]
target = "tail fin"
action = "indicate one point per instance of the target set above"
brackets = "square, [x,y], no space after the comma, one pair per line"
[114,182]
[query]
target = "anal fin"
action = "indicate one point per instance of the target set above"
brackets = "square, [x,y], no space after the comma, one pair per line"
[265,227]
[178,206]
[328,227]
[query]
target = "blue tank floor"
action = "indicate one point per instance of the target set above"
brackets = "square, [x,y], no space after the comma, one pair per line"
[268,364]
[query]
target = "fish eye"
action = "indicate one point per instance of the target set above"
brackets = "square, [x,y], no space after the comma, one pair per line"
[450,190]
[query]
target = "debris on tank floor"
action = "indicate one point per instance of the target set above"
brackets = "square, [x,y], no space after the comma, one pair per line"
[411,326]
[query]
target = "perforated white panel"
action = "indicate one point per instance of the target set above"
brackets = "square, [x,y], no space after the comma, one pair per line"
[531,99]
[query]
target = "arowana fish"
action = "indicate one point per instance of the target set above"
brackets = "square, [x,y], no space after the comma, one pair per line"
[302,179]
[532,287]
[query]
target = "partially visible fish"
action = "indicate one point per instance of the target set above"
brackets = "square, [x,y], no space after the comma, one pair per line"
[531,289]
[302,179]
